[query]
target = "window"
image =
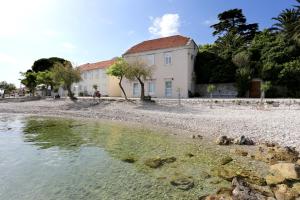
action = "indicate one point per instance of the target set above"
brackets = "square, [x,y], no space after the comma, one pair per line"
[168,88]
[80,87]
[85,75]
[150,59]
[168,59]
[151,88]
[136,89]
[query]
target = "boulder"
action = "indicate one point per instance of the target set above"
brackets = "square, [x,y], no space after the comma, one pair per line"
[243,141]
[283,192]
[273,180]
[298,162]
[273,154]
[296,188]
[223,140]
[289,171]
[183,183]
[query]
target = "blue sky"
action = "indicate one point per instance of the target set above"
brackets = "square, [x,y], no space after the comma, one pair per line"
[92,30]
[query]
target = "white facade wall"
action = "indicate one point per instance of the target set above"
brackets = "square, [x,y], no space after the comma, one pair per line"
[176,72]
[89,78]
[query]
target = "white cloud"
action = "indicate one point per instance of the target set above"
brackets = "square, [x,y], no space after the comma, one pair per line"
[68,46]
[166,25]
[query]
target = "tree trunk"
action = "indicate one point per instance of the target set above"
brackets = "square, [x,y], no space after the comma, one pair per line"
[120,84]
[142,89]
[70,93]
[3,95]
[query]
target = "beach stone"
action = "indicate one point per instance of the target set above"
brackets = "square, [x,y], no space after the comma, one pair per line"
[239,152]
[283,192]
[223,140]
[273,180]
[243,141]
[273,154]
[183,183]
[298,162]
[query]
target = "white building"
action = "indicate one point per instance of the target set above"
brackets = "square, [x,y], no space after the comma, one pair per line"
[173,61]
[95,74]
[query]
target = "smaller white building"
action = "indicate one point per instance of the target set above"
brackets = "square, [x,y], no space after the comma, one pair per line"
[95,74]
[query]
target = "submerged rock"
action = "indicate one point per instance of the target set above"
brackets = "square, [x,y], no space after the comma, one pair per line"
[129,160]
[223,140]
[239,152]
[183,183]
[154,162]
[197,136]
[226,160]
[273,154]
[158,162]
[243,141]
[242,190]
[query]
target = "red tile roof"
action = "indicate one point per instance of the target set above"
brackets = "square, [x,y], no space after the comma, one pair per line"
[160,43]
[97,65]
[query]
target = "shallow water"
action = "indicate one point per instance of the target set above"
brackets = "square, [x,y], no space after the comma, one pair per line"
[48,158]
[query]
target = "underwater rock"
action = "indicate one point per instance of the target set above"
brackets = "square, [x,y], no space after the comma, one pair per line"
[281,172]
[273,154]
[197,137]
[183,183]
[243,141]
[223,140]
[158,162]
[129,160]
[226,160]
[154,162]
[239,152]
[190,155]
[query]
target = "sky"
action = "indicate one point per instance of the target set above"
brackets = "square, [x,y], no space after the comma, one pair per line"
[86,31]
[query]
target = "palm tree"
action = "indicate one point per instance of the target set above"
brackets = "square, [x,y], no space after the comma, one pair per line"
[287,22]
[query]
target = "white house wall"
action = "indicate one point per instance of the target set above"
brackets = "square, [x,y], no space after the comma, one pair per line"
[180,71]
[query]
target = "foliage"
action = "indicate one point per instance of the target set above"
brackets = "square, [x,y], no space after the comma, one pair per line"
[6,87]
[265,86]
[118,70]
[66,75]
[29,80]
[140,71]
[211,88]
[95,87]
[46,64]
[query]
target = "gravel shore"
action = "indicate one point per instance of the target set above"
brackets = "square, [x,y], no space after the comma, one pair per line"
[277,124]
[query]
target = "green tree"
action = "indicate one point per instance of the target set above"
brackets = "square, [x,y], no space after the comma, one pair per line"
[288,23]
[66,75]
[118,70]
[265,86]
[210,89]
[46,64]
[46,78]
[140,71]
[6,88]
[29,80]
[234,21]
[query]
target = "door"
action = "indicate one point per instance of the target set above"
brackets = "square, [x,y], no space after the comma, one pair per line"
[168,88]
[136,90]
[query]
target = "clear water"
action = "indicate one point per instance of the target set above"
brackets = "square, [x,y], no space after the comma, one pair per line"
[48,158]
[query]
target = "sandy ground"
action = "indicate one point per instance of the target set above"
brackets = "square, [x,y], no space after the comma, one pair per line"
[278,124]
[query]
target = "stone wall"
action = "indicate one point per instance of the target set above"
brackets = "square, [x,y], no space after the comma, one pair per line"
[223,90]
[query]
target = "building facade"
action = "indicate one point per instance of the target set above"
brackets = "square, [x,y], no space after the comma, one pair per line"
[95,74]
[172,59]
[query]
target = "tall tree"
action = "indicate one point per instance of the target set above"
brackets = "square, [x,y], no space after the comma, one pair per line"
[234,21]
[46,64]
[66,75]
[140,71]
[287,22]
[118,70]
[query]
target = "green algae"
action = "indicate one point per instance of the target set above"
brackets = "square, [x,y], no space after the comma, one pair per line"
[200,160]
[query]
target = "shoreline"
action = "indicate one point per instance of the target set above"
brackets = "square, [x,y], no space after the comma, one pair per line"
[279,125]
